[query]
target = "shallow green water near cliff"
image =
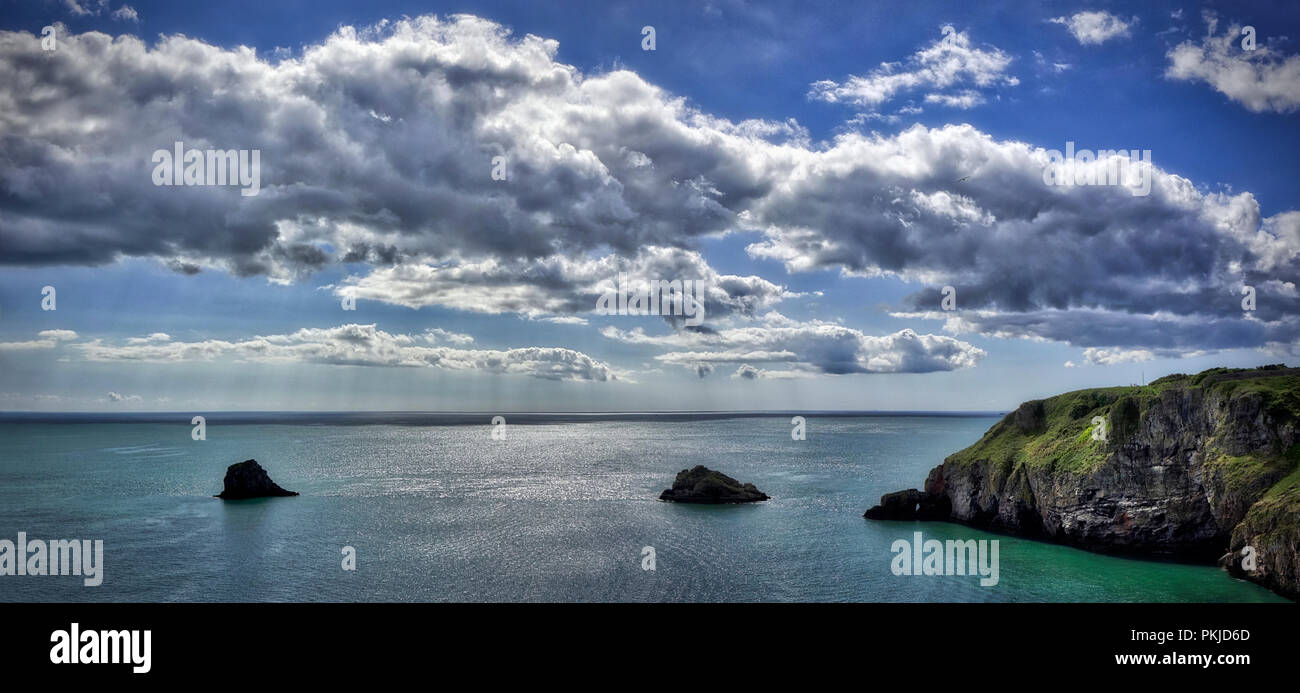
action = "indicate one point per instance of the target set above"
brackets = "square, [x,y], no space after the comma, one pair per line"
[560,511]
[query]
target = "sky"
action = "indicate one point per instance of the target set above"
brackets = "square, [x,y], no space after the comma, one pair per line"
[873,201]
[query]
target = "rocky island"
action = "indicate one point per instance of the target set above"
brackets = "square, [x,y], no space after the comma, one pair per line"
[247,479]
[703,485]
[1190,467]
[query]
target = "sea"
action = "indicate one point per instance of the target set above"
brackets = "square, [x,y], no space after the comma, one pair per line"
[423,507]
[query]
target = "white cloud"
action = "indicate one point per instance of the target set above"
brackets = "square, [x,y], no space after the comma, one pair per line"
[155,338]
[1261,80]
[565,320]
[556,286]
[47,339]
[748,372]
[437,334]
[946,63]
[28,345]
[126,13]
[361,345]
[85,7]
[809,347]
[1085,265]
[1111,357]
[1095,27]
[608,174]
[604,162]
[1048,66]
[963,99]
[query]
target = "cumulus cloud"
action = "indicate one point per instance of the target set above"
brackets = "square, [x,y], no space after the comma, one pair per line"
[155,338]
[28,345]
[1095,27]
[1261,80]
[593,162]
[376,153]
[115,397]
[437,334]
[951,62]
[748,372]
[1086,265]
[82,8]
[126,13]
[46,339]
[807,348]
[361,345]
[558,286]
[1110,357]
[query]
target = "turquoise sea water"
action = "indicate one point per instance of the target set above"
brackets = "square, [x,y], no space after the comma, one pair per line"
[555,512]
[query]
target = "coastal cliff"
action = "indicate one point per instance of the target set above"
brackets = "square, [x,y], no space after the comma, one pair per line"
[1191,467]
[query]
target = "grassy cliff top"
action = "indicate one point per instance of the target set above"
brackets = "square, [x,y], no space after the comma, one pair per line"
[1058,431]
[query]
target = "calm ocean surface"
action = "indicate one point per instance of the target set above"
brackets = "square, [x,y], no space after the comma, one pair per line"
[557,511]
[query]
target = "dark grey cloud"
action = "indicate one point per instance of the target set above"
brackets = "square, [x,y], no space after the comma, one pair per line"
[1085,265]
[377,145]
[384,138]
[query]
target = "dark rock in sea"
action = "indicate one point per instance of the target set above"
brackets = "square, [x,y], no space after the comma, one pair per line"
[247,479]
[1182,468]
[703,485]
[910,505]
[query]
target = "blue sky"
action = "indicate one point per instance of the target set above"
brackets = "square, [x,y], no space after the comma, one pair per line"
[829,166]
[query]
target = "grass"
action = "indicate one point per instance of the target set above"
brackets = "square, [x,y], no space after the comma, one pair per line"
[1242,473]
[1275,518]
[1062,440]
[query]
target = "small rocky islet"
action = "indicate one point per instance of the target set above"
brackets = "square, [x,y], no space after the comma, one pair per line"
[1202,468]
[703,485]
[246,480]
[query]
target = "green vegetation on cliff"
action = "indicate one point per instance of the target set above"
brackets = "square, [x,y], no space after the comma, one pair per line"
[1279,509]
[1252,474]
[1272,528]
[1200,466]
[1057,433]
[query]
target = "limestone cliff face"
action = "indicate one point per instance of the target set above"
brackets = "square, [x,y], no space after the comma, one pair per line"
[1189,467]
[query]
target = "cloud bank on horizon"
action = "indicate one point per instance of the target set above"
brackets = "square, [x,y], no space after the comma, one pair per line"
[377,155]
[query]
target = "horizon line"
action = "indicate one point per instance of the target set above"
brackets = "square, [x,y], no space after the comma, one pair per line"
[453,417]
